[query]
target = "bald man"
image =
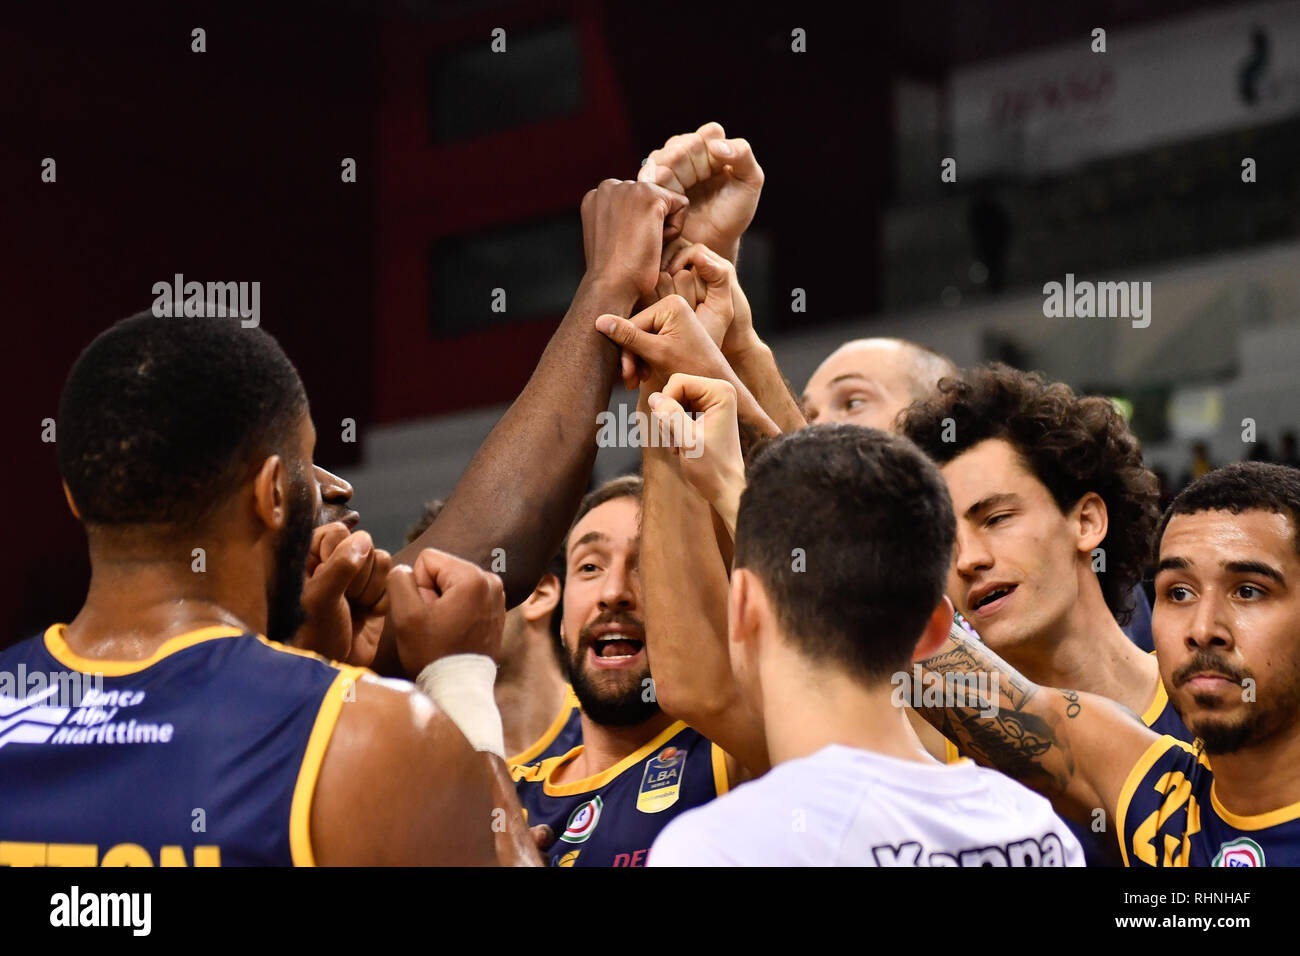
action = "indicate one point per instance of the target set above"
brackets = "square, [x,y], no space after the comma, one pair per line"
[869,381]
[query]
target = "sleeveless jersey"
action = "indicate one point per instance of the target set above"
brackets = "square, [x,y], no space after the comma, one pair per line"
[1100,849]
[1169,815]
[206,753]
[563,735]
[611,819]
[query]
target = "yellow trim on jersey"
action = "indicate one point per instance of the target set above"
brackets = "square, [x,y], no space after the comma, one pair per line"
[950,752]
[553,731]
[57,645]
[1159,747]
[546,769]
[1258,821]
[305,788]
[720,783]
[1158,703]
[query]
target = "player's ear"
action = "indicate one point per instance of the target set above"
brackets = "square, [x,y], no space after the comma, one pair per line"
[72,505]
[936,631]
[745,607]
[1092,520]
[271,493]
[543,601]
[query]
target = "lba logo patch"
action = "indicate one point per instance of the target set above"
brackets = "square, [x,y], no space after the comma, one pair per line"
[661,784]
[582,821]
[1241,852]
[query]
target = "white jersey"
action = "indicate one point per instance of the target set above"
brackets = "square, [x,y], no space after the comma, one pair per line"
[848,807]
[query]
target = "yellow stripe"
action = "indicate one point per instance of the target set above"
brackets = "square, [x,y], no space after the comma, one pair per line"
[950,752]
[599,780]
[1158,703]
[1159,747]
[553,731]
[720,783]
[305,789]
[1259,821]
[57,645]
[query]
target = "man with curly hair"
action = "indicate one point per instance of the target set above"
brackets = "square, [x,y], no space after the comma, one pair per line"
[1055,514]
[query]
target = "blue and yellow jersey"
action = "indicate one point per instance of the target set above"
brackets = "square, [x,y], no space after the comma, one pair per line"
[1099,848]
[1161,717]
[1169,816]
[563,735]
[206,753]
[611,819]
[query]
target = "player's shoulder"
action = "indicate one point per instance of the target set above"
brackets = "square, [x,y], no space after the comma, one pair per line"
[703,836]
[1165,754]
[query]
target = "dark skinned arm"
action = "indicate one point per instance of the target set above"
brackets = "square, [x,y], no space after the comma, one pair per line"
[523,486]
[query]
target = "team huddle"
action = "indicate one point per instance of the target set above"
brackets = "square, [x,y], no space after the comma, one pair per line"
[898,620]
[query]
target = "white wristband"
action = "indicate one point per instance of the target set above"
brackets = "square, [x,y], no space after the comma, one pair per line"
[462,686]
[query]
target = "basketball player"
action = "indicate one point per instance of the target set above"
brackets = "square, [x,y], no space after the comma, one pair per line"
[526,479]
[1055,513]
[636,768]
[1225,617]
[813,650]
[871,381]
[185,448]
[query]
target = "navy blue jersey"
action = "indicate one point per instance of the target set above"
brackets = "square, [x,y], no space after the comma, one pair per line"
[204,754]
[1161,717]
[563,735]
[1102,848]
[1169,816]
[611,819]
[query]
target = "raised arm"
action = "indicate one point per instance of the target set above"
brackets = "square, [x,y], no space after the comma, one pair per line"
[1074,748]
[685,584]
[723,309]
[524,483]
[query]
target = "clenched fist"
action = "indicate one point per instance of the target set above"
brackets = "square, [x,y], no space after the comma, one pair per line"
[443,605]
[345,595]
[624,227]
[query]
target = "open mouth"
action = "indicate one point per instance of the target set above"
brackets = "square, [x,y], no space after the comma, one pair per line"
[616,647]
[991,599]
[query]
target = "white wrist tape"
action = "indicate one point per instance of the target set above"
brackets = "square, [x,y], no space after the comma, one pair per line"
[462,686]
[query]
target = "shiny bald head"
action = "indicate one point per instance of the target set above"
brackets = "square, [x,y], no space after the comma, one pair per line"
[869,381]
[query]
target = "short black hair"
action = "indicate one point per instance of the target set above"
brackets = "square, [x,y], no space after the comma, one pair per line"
[161,418]
[1245,486]
[1073,444]
[875,524]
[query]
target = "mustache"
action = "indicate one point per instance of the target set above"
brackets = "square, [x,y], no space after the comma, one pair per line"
[626,619]
[1205,662]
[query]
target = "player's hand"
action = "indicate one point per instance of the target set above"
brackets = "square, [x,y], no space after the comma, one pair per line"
[708,445]
[665,338]
[543,836]
[625,225]
[718,175]
[345,595]
[720,305]
[443,605]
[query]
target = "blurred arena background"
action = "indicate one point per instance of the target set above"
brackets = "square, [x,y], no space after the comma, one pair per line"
[225,166]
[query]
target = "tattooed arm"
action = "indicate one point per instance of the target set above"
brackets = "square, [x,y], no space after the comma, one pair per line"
[1076,749]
